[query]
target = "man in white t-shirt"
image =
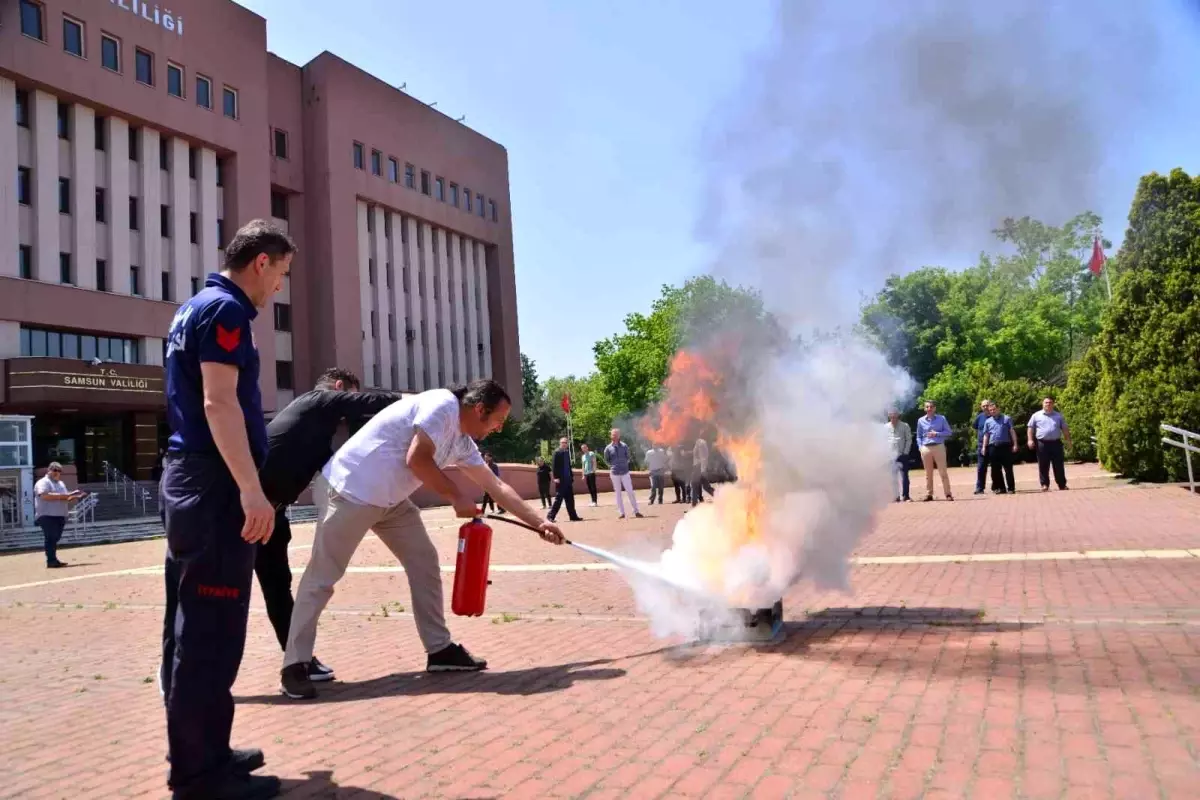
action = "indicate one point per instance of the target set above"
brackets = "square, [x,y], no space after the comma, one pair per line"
[52,499]
[371,478]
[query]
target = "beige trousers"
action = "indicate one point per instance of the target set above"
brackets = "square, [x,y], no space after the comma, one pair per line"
[935,455]
[341,527]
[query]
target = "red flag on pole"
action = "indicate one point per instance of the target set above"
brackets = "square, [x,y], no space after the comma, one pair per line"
[1098,259]
[566,403]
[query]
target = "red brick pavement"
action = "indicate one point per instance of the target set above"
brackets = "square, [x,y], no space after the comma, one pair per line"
[979,679]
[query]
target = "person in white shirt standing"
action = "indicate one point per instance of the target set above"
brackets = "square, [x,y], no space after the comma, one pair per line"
[656,462]
[52,499]
[371,479]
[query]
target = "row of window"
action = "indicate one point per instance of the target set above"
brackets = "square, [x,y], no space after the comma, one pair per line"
[101,136]
[51,343]
[74,39]
[431,186]
[66,274]
[25,198]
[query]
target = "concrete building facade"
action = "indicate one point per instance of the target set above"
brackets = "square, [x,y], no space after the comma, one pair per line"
[140,139]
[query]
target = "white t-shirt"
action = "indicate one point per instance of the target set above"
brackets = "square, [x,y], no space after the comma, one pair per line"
[371,466]
[50,508]
[656,459]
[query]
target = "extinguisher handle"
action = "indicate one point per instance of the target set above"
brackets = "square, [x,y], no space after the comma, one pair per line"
[519,524]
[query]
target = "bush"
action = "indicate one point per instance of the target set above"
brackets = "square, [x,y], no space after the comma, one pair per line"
[1077,404]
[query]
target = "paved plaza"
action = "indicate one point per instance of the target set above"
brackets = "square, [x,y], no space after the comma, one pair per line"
[1034,646]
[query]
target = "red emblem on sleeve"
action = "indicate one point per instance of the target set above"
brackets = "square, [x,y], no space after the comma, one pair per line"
[228,340]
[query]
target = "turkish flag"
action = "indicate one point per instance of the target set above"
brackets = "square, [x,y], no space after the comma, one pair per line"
[1098,259]
[566,403]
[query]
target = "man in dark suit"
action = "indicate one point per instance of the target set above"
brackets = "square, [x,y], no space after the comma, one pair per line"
[564,481]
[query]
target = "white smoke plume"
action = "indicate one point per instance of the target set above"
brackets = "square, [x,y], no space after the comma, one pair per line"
[867,136]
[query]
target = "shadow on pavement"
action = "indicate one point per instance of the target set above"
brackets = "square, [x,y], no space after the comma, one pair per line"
[535,680]
[321,785]
[970,619]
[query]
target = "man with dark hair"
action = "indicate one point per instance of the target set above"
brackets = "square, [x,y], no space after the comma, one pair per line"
[371,480]
[215,513]
[300,440]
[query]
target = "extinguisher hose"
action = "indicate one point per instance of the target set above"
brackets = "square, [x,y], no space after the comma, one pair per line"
[519,524]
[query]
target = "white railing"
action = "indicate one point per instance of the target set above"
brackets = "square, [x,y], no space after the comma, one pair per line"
[1187,445]
[118,482]
[84,512]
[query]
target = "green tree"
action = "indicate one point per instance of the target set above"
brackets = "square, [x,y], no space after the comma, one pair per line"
[1077,402]
[1149,342]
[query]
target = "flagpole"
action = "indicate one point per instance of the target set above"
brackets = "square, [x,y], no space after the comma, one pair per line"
[1107,281]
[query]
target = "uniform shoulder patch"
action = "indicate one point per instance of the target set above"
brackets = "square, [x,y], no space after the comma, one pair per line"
[228,340]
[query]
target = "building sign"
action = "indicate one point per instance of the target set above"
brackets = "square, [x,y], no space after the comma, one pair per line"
[152,13]
[50,381]
[106,379]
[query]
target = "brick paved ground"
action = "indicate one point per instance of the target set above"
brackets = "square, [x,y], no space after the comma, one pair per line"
[1074,676]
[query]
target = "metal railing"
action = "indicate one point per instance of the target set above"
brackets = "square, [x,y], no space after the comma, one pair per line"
[1188,447]
[84,512]
[118,482]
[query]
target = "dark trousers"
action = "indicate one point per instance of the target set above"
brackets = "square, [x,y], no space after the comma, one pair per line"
[680,488]
[488,501]
[981,468]
[700,485]
[1001,457]
[52,531]
[209,573]
[902,468]
[565,494]
[275,576]
[590,480]
[1050,453]
[544,493]
[657,479]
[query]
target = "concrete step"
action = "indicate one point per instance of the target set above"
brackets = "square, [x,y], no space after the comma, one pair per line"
[14,540]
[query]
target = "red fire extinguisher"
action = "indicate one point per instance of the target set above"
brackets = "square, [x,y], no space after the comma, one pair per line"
[471,569]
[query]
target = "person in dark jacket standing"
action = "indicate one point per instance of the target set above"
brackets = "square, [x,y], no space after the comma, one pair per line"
[299,442]
[543,481]
[564,479]
[215,513]
[488,500]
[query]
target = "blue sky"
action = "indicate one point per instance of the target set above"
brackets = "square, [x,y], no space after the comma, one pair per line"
[602,107]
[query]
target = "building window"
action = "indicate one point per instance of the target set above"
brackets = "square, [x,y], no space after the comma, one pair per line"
[375,324]
[376,162]
[164,154]
[166,285]
[392,327]
[375,374]
[101,204]
[358,156]
[31,20]
[174,80]
[283,375]
[454,195]
[48,342]
[410,176]
[467,199]
[22,108]
[101,133]
[283,317]
[64,268]
[281,144]
[134,223]
[220,171]
[192,163]
[393,170]
[387,273]
[135,281]
[424,182]
[195,285]
[101,275]
[479,205]
[24,186]
[73,36]
[25,261]
[134,149]
[439,190]
[64,121]
[492,210]
[279,205]
[370,268]
[192,227]
[229,102]
[203,92]
[64,195]
[164,220]
[143,63]
[110,52]
[220,234]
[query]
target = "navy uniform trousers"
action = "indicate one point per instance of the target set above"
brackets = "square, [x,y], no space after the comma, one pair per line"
[209,571]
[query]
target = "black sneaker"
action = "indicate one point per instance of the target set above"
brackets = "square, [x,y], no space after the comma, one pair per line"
[233,786]
[454,658]
[246,761]
[318,672]
[295,683]
[638,514]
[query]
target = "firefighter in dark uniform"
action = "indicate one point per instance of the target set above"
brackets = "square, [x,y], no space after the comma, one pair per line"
[300,440]
[215,513]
